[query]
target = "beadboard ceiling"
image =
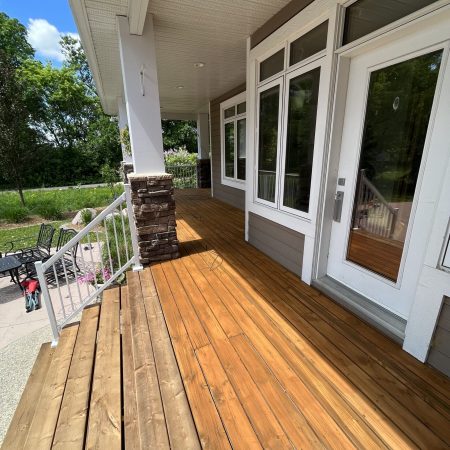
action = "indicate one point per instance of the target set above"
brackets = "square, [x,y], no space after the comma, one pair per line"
[187,31]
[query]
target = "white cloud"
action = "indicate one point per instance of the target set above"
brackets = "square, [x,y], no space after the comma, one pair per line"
[44,38]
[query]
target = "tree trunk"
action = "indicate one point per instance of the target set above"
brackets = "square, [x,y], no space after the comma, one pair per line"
[22,198]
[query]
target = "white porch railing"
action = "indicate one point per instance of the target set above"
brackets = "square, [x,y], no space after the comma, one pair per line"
[75,277]
[184,176]
[371,210]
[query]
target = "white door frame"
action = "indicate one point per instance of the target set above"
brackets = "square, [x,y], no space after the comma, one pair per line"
[430,29]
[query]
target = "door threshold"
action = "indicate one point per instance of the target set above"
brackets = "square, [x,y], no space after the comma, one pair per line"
[385,321]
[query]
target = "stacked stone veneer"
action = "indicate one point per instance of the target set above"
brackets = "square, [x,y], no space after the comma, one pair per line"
[154,213]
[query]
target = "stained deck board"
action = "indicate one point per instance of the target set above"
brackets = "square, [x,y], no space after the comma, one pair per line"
[104,423]
[207,420]
[130,426]
[213,225]
[42,429]
[266,425]
[180,425]
[18,430]
[364,372]
[323,392]
[150,412]
[70,429]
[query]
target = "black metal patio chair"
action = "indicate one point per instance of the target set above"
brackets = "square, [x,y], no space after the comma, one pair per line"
[42,248]
[67,265]
[39,252]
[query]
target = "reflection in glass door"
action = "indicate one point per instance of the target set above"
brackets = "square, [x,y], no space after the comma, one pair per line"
[398,110]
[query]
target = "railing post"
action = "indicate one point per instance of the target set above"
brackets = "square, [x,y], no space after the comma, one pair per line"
[133,231]
[48,302]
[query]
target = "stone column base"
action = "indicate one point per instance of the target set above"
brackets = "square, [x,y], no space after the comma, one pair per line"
[154,214]
[126,169]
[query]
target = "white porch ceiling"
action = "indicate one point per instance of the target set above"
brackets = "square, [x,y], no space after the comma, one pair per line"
[187,31]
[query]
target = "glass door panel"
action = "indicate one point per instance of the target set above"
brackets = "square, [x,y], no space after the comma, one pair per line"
[399,103]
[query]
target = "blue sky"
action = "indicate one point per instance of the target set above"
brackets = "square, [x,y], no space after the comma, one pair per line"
[46,20]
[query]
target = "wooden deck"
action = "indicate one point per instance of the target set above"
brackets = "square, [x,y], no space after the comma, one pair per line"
[224,348]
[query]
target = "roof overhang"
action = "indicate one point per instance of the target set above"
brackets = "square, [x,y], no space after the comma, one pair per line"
[186,33]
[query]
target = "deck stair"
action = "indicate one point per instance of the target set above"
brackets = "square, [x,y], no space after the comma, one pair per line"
[112,381]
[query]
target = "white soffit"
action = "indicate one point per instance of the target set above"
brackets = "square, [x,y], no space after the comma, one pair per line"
[187,31]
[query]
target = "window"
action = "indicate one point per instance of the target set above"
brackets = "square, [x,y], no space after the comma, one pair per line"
[233,138]
[269,113]
[286,120]
[365,16]
[309,44]
[272,65]
[300,134]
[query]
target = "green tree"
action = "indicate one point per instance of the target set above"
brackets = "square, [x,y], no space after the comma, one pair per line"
[17,138]
[180,133]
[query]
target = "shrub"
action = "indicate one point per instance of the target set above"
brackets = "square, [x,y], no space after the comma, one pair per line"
[49,211]
[86,216]
[15,214]
[110,176]
[179,157]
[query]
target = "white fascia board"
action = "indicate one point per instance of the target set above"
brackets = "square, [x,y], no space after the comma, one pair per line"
[137,12]
[78,8]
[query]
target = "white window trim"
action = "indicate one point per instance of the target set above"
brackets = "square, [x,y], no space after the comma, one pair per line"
[233,101]
[297,220]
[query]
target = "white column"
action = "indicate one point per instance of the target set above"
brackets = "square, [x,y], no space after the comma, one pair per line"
[123,122]
[138,61]
[203,135]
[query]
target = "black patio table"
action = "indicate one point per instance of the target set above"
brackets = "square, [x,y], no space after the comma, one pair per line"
[12,265]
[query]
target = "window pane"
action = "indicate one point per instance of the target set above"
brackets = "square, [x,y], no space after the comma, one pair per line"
[241,152]
[365,16]
[271,65]
[229,149]
[241,108]
[230,112]
[398,110]
[268,139]
[301,128]
[309,44]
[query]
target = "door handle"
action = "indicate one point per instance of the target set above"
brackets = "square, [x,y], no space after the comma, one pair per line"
[337,211]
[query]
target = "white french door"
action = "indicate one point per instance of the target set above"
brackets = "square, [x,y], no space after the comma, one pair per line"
[389,137]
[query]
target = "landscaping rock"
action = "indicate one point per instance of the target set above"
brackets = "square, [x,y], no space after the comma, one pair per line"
[78,219]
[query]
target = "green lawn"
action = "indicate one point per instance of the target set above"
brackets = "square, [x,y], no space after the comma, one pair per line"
[51,205]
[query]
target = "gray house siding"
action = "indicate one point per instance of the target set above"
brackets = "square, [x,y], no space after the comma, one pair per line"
[439,356]
[280,243]
[232,196]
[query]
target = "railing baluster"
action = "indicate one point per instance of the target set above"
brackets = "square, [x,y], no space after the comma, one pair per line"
[92,260]
[107,245]
[75,274]
[61,301]
[84,270]
[101,256]
[124,233]
[113,218]
[67,282]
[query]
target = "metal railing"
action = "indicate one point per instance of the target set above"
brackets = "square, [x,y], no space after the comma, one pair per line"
[372,212]
[184,176]
[93,260]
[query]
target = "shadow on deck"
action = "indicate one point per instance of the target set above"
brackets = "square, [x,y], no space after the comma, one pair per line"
[225,348]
